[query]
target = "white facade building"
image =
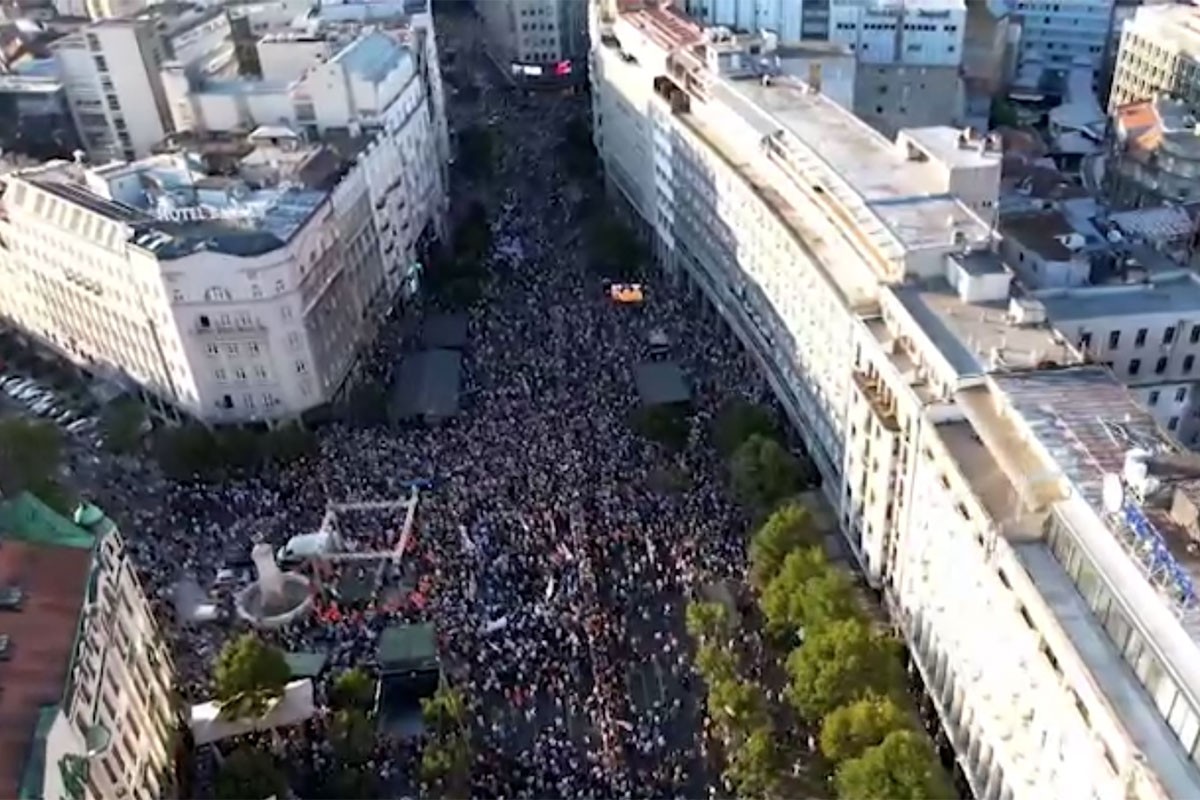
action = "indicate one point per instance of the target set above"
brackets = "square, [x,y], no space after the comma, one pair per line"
[1159,57]
[909,54]
[1056,36]
[961,440]
[530,38]
[228,303]
[110,71]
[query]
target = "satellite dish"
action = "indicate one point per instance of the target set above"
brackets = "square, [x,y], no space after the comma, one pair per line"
[1114,493]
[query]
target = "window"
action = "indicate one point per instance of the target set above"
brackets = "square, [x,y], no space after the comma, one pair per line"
[1135,364]
[1153,400]
[279,286]
[286,312]
[253,348]
[1140,339]
[248,400]
[1180,394]
[101,64]
[255,291]
[219,375]
[1172,423]
[232,349]
[1114,340]
[213,350]
[204,323]
[301,368]
[1085,340]
[1160,366]
[1188,363]
[177,295]
[1195,335]
[293,340]
[1169,334]
[227,401]
[239,374]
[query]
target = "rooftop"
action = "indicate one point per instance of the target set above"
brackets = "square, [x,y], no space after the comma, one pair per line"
[975,338]
[906,195]
[1042,232]
[1178,295]
[49,559]
[373,56]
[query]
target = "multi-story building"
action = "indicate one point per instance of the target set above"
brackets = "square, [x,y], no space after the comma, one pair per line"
[1155,154]
[88,677]
[110,71]
[1159,56]
[909,54]
[1056,36]
[536,41]
[229,299]
[1008,500]
[38,121]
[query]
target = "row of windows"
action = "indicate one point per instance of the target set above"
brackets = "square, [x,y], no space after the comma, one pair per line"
[1162,690]
[1139,338]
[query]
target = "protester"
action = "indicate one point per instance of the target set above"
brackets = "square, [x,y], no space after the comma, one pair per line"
[553,562]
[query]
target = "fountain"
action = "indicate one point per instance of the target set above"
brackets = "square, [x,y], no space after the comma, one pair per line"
[277,597]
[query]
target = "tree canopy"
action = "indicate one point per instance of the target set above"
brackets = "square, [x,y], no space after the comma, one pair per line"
[715,663]
[615,252]
[249,676]
[353,689]
[193,451]
[446,757]
[754,765]
[738,421]
[789,528]
[782,600]
[353,736]
[737,706]
[123,422]
[707,622]
[30,452]
[764,474]
[248,772]
[903,767]
[847,732]
[840,663]
[665,424]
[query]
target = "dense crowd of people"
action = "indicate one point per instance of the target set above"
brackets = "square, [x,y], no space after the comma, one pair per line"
[549,551]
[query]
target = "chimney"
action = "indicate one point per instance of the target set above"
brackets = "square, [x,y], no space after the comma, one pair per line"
[814,76]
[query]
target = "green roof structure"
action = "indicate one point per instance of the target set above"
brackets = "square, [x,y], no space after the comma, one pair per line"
[27,519]
[305,665]
[408,647]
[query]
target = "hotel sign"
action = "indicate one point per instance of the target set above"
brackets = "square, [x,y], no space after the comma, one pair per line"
[207,213]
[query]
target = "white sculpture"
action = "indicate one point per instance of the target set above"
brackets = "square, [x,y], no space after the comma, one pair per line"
[270,579]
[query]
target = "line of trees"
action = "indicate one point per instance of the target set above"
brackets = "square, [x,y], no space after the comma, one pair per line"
[446,756]
[194,451]
[763,472]
[31,454]
[737,706]
[458,280]
[843,676]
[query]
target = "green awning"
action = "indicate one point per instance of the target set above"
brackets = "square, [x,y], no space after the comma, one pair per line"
[305,665]
[25,518]
[408,647]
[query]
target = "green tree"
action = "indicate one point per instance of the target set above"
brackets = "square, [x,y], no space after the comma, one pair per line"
[352,736]
[665,424]
[827,598]
[848,731]
[1002,114]
[249,773]
[707,622]
[838,664]
[738,421]
[764,474]
[288,443]
[782,601]
[446,764]
[754,765]
[354,689]
[122,423]
[445,712]
[476,152]
[738,707]
[190,451]
[30,453]
[615,252]
[715,663]
[903,767]
[789,528]
[249,676]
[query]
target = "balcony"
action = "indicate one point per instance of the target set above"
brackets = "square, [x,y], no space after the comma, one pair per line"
[873,390]
[238,328]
